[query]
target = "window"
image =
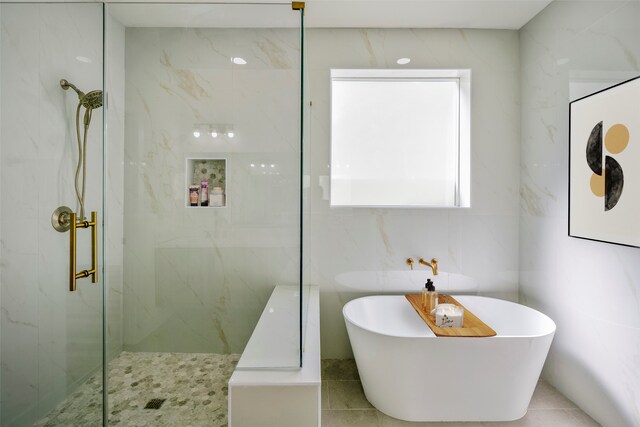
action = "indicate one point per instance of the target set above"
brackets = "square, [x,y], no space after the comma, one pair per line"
[400,138]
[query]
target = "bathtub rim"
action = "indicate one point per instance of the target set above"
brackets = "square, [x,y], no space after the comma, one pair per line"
[429,333]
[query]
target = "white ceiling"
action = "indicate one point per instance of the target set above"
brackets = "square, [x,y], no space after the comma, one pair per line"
[501,14]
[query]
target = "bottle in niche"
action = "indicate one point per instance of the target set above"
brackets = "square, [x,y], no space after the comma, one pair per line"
[217,197]
[204,193]
[194,195]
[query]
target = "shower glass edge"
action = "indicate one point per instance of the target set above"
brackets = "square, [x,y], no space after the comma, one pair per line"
[281,33]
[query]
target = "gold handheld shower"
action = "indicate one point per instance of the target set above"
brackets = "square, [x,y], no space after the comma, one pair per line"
[89,101]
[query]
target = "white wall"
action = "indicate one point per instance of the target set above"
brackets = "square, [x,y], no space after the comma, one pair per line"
[590,289]
[197,279]
[51,338]
[481,242]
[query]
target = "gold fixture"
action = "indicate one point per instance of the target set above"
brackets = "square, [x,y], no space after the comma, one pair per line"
[61,219]
[410,262]
[297,5]
[433,265]
[90,101]
[74,225]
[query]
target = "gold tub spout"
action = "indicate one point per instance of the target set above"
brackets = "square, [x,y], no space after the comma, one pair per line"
[433,265]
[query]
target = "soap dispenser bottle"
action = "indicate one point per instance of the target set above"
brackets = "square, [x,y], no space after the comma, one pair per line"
[425,302]
[429,296]
[433,296]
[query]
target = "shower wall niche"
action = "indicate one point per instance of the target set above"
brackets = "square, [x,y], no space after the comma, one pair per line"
[212,170]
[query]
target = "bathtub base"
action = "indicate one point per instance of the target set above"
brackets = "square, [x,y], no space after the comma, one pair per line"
[466,381]
[429,378]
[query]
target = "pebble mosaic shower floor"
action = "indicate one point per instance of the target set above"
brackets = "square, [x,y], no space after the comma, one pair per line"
[193,386]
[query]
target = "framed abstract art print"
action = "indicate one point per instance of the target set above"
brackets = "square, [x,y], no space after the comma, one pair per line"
[604,165]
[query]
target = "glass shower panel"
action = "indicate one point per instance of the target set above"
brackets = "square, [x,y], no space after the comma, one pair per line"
[305,184]
[51,338]
[211,98]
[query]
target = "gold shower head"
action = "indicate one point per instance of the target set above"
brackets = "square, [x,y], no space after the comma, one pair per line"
[91,100]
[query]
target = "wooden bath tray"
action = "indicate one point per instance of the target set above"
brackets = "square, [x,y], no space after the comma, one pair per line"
[473,327]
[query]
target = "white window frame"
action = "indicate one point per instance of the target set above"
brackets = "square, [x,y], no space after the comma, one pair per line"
[461,198]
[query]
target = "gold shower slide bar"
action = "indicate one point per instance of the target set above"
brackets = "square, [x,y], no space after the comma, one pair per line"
[75,224]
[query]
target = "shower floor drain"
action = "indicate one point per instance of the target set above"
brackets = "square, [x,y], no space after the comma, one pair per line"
[154,403]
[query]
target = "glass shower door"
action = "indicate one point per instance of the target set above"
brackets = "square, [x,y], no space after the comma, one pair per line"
[204,101]
[211,95]
[51,349]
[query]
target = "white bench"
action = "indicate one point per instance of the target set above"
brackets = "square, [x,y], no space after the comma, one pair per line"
[280,396]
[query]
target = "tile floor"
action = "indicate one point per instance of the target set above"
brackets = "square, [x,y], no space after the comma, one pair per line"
[195,386]
[344,405]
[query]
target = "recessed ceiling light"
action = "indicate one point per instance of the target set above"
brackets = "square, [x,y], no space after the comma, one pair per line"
[403,61]
[238,61]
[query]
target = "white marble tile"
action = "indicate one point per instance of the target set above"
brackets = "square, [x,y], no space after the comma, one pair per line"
[540,417]
[275,340]
[201,283]
[547,397]
[591,359]
[351,418]
[486,251]
[480,242]
[387,421]
[51,338]
[347,395]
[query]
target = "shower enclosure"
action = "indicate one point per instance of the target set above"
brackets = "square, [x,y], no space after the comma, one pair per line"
[207,96]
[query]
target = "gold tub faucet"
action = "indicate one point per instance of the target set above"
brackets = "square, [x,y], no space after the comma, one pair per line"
[433,265]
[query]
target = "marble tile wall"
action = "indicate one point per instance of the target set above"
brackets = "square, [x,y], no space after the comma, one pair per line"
[40,361]
[480,242]
[580,284]
[51,339]
[197,279]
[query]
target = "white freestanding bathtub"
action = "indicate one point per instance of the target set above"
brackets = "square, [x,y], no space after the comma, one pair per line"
[409,373]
